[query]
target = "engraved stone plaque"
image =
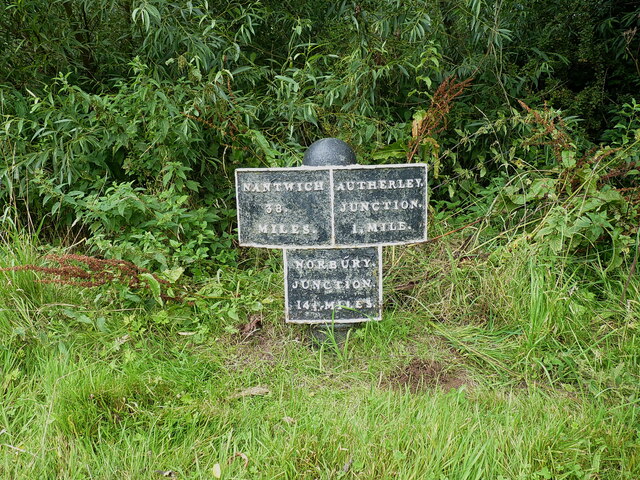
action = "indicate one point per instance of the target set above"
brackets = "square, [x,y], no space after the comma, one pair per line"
[380,205]
[283,207]
[341,206]
[338,284]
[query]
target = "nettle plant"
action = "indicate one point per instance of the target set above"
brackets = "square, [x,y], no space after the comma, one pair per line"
[563,193]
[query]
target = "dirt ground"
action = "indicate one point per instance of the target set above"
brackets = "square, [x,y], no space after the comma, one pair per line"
[420,375]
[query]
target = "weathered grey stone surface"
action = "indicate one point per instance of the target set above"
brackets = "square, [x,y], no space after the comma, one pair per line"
[338,284]
[332,206]
[283,207]
[381,205]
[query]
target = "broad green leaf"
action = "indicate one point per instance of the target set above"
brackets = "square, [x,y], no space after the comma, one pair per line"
[173,274]
[154,285]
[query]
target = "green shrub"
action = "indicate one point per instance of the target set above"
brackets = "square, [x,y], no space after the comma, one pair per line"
[126,123]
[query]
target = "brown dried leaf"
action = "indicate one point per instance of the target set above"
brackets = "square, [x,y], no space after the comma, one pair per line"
[251,392]
[249,328]
[242,456]
[415,127]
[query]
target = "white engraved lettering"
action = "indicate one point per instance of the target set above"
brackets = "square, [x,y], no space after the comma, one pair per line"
[329,286]
[282,228]
[358,303]
[380,184]
[385,227]
[376,206]
[262,187]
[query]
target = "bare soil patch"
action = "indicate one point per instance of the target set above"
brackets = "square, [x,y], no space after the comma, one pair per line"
[257,342]
[420,375]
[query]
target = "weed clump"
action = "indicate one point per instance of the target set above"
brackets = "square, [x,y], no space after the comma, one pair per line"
[86,271]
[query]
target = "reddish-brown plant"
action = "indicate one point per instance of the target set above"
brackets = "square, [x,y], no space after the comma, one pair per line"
[86,271]
[435,119]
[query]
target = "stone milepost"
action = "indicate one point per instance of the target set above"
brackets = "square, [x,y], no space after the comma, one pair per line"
[331,222]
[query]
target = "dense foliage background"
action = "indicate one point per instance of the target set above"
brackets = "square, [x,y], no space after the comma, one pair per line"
[122,120]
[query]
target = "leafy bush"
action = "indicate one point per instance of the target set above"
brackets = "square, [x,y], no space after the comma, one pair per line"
[126,124]
[123,166]
[557,189]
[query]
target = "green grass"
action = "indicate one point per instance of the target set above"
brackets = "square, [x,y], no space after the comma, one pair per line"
[543,356]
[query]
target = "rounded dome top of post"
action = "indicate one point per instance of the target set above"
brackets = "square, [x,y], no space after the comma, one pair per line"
[329,151]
